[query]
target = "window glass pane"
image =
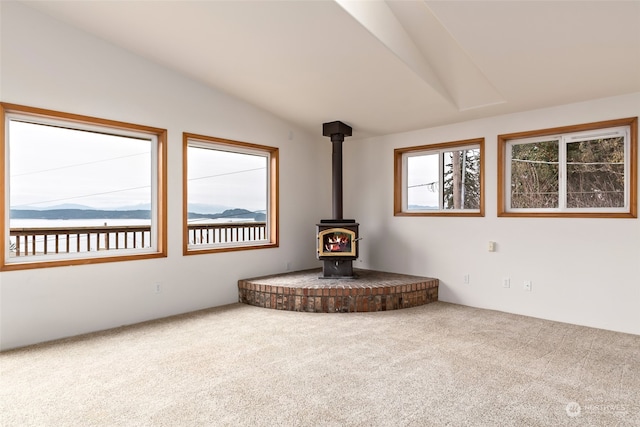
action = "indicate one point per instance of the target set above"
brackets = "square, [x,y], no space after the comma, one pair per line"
[576,171]
[225,187]
[443,179]
[595,173]
[65,181]
[534,175]
[423,182]
[462,179]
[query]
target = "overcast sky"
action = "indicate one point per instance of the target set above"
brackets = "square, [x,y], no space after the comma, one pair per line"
[52,166]
[422,170]
[237,180]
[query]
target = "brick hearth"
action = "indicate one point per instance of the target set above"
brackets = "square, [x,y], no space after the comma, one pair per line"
[370,291]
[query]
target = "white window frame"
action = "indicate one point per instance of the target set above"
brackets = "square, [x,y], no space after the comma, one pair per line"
[271,227]
[157,138]
[402,156]
[626,128]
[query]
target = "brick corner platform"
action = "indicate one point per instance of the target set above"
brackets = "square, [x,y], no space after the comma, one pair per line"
[369,291]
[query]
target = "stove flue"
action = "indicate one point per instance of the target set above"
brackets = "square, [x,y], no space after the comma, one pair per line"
[337,238]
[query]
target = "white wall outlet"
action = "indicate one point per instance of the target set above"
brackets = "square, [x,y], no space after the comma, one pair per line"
[288,266]
[157,287]
[527,285]
[491,246]
[466,279]
[506,282]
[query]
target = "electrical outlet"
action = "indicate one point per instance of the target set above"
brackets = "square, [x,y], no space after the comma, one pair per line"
[506,282]
[527,285]
[288,266]
[466,279]
[157,287]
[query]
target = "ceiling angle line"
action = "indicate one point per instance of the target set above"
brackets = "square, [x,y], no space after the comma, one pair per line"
[377,18]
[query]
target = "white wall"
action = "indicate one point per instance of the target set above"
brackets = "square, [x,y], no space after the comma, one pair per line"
[49,65]
[584,271]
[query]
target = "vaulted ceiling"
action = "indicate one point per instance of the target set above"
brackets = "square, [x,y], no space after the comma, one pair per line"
[381,66]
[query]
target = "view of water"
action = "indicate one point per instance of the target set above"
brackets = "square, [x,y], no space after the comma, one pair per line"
[37,223]
[83,242]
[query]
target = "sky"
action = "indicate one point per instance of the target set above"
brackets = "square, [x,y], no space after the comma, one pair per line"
[51,166]
[422,170]
[231,179]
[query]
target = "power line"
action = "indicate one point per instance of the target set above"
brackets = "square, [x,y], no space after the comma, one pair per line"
[129,189]
[432,186]
[227,173]
[77,164]
[83,196]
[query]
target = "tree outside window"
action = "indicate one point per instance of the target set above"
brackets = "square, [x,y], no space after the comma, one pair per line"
[584,170]
[440,179]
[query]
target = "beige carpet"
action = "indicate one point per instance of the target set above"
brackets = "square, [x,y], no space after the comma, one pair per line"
[435,365]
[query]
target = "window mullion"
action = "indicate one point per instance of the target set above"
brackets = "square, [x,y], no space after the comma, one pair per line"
[405,182]
[508,178]
[627,168]
[267,225]
[155,195]
[441,180]
[562,173]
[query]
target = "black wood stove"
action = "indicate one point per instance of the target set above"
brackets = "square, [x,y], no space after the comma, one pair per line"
[337,237]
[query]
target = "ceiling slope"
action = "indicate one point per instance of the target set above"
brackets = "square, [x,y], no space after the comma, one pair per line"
[381,66]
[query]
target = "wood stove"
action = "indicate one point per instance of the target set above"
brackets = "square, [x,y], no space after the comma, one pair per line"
[337,238]
[337,247]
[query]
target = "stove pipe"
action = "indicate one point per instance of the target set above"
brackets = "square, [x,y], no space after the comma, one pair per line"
[336,131]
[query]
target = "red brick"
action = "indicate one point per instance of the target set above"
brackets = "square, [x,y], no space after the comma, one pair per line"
[362,295]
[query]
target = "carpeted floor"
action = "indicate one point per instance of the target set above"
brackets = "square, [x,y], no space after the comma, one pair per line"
[435,365]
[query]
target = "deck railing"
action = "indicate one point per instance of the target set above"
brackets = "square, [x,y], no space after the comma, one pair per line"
[48,240]
[227,232]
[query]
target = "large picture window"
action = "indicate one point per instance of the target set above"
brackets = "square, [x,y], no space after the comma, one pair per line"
[230,195]
[440,179]
[79,189]
[585,170]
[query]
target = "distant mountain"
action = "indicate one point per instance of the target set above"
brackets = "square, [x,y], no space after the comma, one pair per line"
[201,208]
[122,214]
[231,213]
[79,214]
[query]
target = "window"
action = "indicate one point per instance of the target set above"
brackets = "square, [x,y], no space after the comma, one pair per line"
[230,195]
[440,179]
[580,171]
[80,190]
